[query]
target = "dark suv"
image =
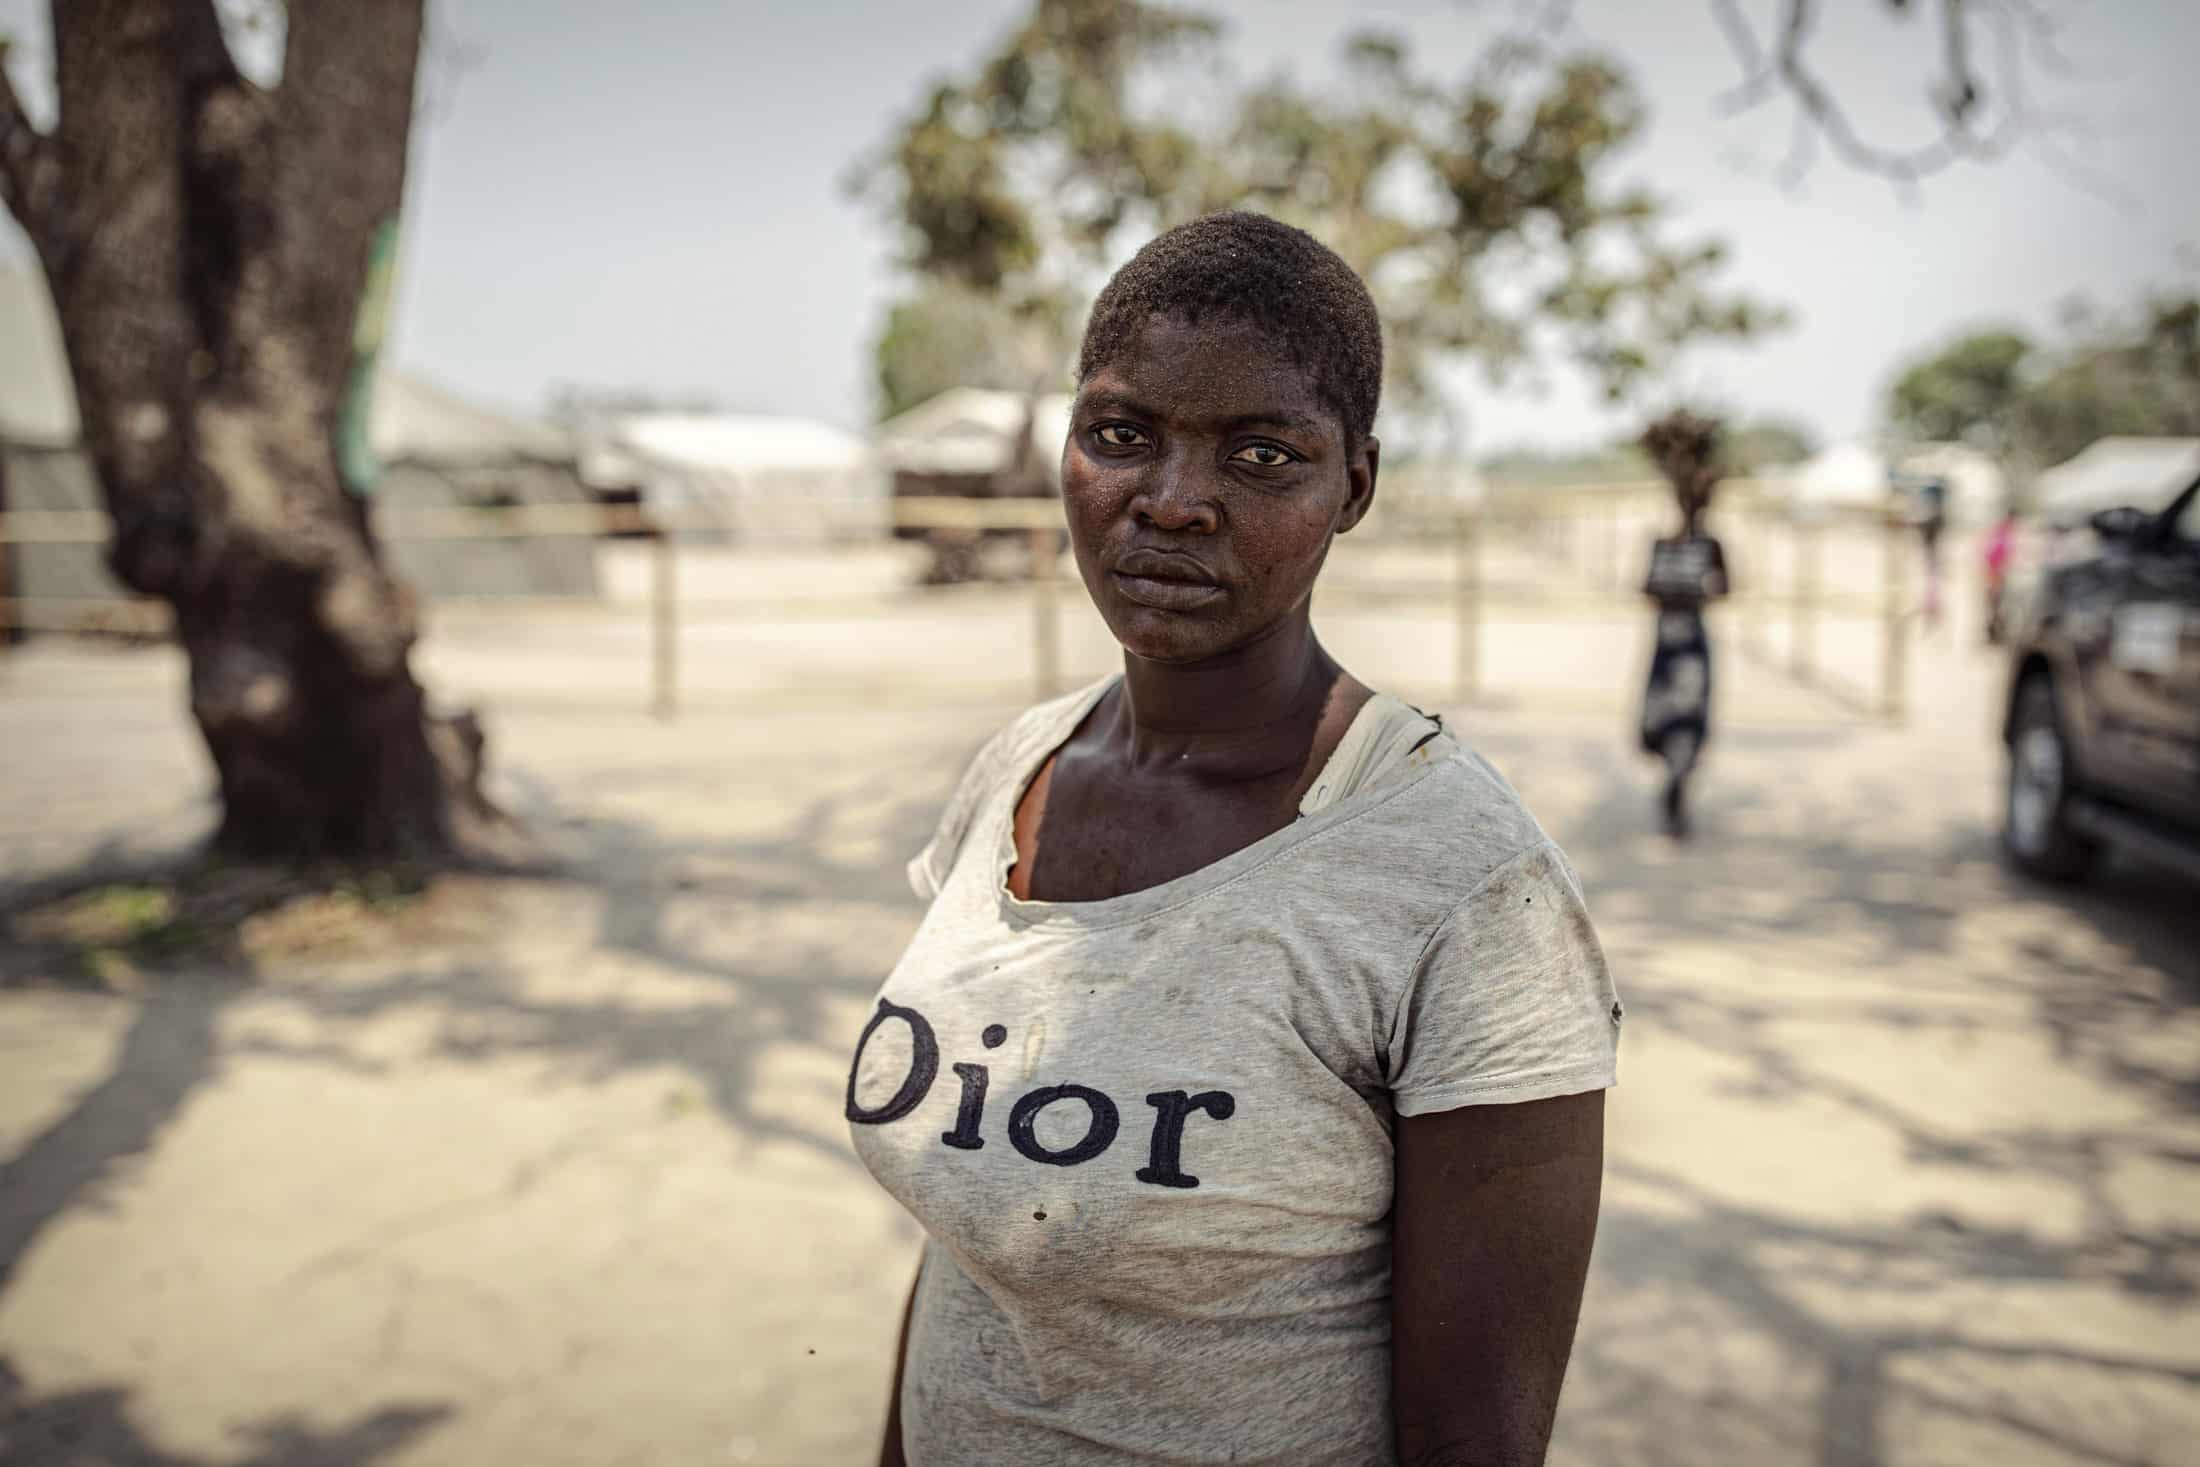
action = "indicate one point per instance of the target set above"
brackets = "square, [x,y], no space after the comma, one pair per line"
[2104,707]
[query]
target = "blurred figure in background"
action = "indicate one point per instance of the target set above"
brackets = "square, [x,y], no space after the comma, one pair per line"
[1687,571]
[1999,550]
[1932,521]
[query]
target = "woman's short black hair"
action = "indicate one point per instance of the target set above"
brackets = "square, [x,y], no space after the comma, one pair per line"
[1250,268]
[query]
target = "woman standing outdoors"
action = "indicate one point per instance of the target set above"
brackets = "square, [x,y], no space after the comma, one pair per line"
[1687,573]
[1246,1072]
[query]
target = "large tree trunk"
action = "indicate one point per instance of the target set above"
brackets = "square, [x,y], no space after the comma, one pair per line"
[207,243]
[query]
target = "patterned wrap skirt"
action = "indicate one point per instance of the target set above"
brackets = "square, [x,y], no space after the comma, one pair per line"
[1678,699]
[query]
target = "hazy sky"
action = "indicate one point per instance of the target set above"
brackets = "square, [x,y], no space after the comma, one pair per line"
[649,194]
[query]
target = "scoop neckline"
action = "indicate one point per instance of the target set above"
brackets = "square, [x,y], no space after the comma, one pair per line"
[1151,901]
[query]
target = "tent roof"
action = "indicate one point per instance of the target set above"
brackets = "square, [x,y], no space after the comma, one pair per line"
[741,442]
[1842,473]
[2145,472]
[413,420]
[971,430]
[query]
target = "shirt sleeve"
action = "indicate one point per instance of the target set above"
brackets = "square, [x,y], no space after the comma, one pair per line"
[1510,999]
[929,869]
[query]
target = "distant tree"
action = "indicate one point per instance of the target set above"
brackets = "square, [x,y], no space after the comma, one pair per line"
[1481,212]
[1763,443]
[1018,176]
[1009,184]
[1966,391]
[948,335]
[219,256]
[2031,406]
[2140,377]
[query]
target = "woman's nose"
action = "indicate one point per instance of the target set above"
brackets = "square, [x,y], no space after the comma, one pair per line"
[1174,501]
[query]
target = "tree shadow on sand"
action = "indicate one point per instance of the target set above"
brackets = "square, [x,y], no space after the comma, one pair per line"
[92,1428]
[1718,1331]
[674,908]
[1687,1283]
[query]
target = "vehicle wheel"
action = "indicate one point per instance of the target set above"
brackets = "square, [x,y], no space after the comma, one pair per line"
[2036,829]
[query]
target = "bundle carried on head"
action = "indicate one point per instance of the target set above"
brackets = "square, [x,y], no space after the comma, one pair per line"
[1685,447]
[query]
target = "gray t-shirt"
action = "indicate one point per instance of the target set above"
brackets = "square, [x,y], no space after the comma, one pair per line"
[1150,1137]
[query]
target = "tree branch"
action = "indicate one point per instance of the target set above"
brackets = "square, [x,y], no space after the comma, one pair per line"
[1964,96]
[343,117]
[1760,79]
[1831,121]
[127,74]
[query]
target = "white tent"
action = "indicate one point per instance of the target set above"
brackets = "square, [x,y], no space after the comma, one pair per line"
[1839,476]
[2143,472]
[761,476]
[972,430]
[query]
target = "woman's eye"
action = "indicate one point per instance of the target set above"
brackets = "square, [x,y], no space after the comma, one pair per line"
[1119,435]
[1263,455]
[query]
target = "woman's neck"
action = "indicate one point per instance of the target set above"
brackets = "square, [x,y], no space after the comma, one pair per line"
[1249,712]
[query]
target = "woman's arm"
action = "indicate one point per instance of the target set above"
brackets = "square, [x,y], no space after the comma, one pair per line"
[889,1452]
[1494,1213]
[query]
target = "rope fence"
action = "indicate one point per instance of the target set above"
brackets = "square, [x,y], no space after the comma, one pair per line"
[1594,529]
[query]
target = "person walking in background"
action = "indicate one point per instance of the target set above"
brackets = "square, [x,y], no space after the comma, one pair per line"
[1999,550]
[1932,524]
[1687,572]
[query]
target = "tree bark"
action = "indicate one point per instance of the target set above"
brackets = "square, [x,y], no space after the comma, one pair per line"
[207,243]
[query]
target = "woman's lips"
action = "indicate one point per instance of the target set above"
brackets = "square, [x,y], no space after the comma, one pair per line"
[1165,595]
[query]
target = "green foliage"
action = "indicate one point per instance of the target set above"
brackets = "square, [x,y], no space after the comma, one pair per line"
[946,335]
[2033,406]
[1752,447]
[1481,211]
[1965,391]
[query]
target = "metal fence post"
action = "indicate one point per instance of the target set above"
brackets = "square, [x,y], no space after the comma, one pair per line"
[664,625]
[1894,646]
[1756,542]
[1803,634]
[7,559]
[1045,618]
[1466,606]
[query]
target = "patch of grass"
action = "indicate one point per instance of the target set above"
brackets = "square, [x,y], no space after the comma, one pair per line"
[119,915]
[117,934]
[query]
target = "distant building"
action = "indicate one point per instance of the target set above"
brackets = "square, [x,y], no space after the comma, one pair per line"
[960,441]
[1840,476]
[747,476]
[436,449]
[1854,476]
[973,443]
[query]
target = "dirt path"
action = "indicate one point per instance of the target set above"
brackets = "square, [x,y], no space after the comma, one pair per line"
[1904,1169]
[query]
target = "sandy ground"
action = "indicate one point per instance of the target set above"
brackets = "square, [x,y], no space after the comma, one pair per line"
[1905,1166]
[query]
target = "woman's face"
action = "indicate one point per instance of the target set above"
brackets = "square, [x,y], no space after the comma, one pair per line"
[1203,480]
